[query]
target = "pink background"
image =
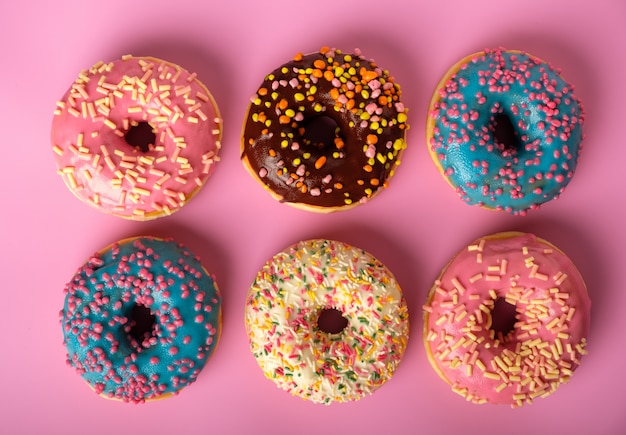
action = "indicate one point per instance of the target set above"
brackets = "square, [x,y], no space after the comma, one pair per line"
[234,226]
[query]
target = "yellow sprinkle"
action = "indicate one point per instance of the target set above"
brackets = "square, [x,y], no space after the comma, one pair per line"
[491,375]
[501,387]
[457,284]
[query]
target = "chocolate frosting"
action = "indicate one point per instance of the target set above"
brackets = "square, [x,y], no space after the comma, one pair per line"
[344,97]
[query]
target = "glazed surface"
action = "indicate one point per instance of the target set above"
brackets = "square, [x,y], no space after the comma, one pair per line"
[103,104]
[545,116]
[281,317]
[549,334]
[162,277]
[361,104]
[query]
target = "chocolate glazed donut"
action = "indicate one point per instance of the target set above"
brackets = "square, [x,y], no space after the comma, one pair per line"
[325,131]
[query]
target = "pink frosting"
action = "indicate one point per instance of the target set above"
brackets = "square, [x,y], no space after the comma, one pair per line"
[549,335]
[103,104]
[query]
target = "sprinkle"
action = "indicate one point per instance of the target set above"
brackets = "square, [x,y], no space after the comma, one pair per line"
[289,291]
[543,349]
[148,93]
[86,310]
[277,116]
[497,80]
[320,162]
[458,285]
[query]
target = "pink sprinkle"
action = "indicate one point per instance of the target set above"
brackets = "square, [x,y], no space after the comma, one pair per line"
[371,108]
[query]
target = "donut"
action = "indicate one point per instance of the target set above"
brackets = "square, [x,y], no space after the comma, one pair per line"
[141,319]
[507,320]
[137,137]
[505,130]
[326,321]
[325,131]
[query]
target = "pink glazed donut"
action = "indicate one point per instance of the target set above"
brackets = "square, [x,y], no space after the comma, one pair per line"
[507,320]
[137,137]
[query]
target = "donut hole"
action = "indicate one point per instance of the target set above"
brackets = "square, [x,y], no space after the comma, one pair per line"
[505,135]
[320,132]
[503,318]
[141,326]
[141,136]
[331,321]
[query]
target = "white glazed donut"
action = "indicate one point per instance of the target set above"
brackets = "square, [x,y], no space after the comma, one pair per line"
[283,321]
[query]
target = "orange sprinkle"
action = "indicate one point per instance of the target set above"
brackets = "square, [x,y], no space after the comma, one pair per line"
[324,50]
[328,75]
[320,162]
[334,92]
[272,153]
[368,75]
[262,92]
[339,143]
[367,168]
[320,64]
[374,181]
[298,57]
[372,139]
[282,104]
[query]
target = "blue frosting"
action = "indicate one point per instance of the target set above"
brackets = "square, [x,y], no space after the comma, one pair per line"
[145,282]
[546,118]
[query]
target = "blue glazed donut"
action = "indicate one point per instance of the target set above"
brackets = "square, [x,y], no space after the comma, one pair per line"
[505,130]
[140,319]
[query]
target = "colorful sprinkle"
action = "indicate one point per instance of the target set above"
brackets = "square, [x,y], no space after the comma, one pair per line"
[361,103]
[282,311]
[128,319]
[489,96]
